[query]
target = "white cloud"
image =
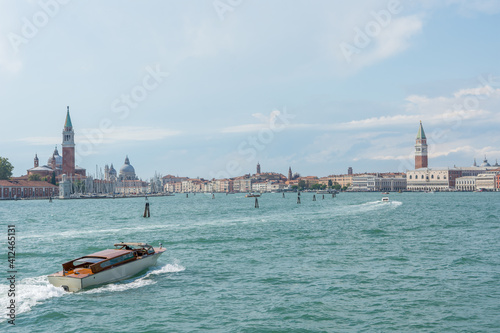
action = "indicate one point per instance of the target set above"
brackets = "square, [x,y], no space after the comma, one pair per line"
[393,39]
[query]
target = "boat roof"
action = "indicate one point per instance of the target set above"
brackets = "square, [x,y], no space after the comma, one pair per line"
[133,244]
[108,254]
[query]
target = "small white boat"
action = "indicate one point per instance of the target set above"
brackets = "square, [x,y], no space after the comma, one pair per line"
[111,265]
[252,195]
[385,199]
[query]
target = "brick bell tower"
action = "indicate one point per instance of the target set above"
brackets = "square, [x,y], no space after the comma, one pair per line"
[421,149]
[68,147]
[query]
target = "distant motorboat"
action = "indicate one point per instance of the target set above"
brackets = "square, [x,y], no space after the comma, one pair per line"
[385,199]
[252,195]
[385,192]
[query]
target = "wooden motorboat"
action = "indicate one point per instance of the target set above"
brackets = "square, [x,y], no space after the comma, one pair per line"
[124,261]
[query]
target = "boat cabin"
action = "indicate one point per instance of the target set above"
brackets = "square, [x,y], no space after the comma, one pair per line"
[102,260]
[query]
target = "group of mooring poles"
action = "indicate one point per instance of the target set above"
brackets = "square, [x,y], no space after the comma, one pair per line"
[147,213]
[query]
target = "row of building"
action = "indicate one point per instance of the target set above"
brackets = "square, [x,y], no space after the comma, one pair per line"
[73,180]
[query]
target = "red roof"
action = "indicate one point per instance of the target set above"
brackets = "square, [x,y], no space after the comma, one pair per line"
[25,183]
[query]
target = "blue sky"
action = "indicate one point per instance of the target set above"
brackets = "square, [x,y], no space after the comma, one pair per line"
[209,88]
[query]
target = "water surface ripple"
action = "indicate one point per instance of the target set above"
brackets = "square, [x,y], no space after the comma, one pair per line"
[423,262]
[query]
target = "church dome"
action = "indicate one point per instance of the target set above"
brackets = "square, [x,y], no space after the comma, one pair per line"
[485,163]
[55,156]
[127,171]
[112,171]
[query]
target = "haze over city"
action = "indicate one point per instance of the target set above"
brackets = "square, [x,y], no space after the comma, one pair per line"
[209,89]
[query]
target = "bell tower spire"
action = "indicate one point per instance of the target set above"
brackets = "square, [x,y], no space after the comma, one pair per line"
[421,149]
[68,147]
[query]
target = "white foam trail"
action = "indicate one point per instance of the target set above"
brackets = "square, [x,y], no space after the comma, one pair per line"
[29,292]
[138,283]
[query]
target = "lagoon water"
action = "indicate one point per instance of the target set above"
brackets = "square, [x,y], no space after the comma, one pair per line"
[421,263]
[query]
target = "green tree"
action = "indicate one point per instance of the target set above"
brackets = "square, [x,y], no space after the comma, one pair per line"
[53,179]
[34,177]
[318,186]
[330,184]
[294,187]
[302,184]
[5,168]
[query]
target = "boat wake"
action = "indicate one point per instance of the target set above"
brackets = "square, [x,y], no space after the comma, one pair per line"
[29,292]
[35,290]
[136,283]
[375,205]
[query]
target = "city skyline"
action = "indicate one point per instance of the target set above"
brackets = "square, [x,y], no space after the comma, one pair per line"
[199,91]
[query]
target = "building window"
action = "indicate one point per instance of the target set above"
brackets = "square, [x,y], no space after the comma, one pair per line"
[432,176]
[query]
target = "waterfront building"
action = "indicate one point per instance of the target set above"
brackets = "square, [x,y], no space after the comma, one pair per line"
[309,180]
[242,184]
[387,182]
[196,185]
[223,185]
[131,187]
[486,182]
[498,182]
[342,180]
[172,183]
[259,186]
[421,149]
[16,189]
[432,179]
[276,186]
[465,183]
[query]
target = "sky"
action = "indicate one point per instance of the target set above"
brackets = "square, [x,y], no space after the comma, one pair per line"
[210,88]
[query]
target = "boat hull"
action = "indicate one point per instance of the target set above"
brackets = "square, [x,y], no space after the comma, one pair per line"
[114,274]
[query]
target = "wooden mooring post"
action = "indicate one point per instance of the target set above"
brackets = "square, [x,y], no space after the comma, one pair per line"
[146,210]
[256,203]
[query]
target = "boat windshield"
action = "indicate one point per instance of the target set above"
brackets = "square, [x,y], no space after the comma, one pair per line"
[87,260]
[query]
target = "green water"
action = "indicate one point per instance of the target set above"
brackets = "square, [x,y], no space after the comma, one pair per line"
[421,263]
